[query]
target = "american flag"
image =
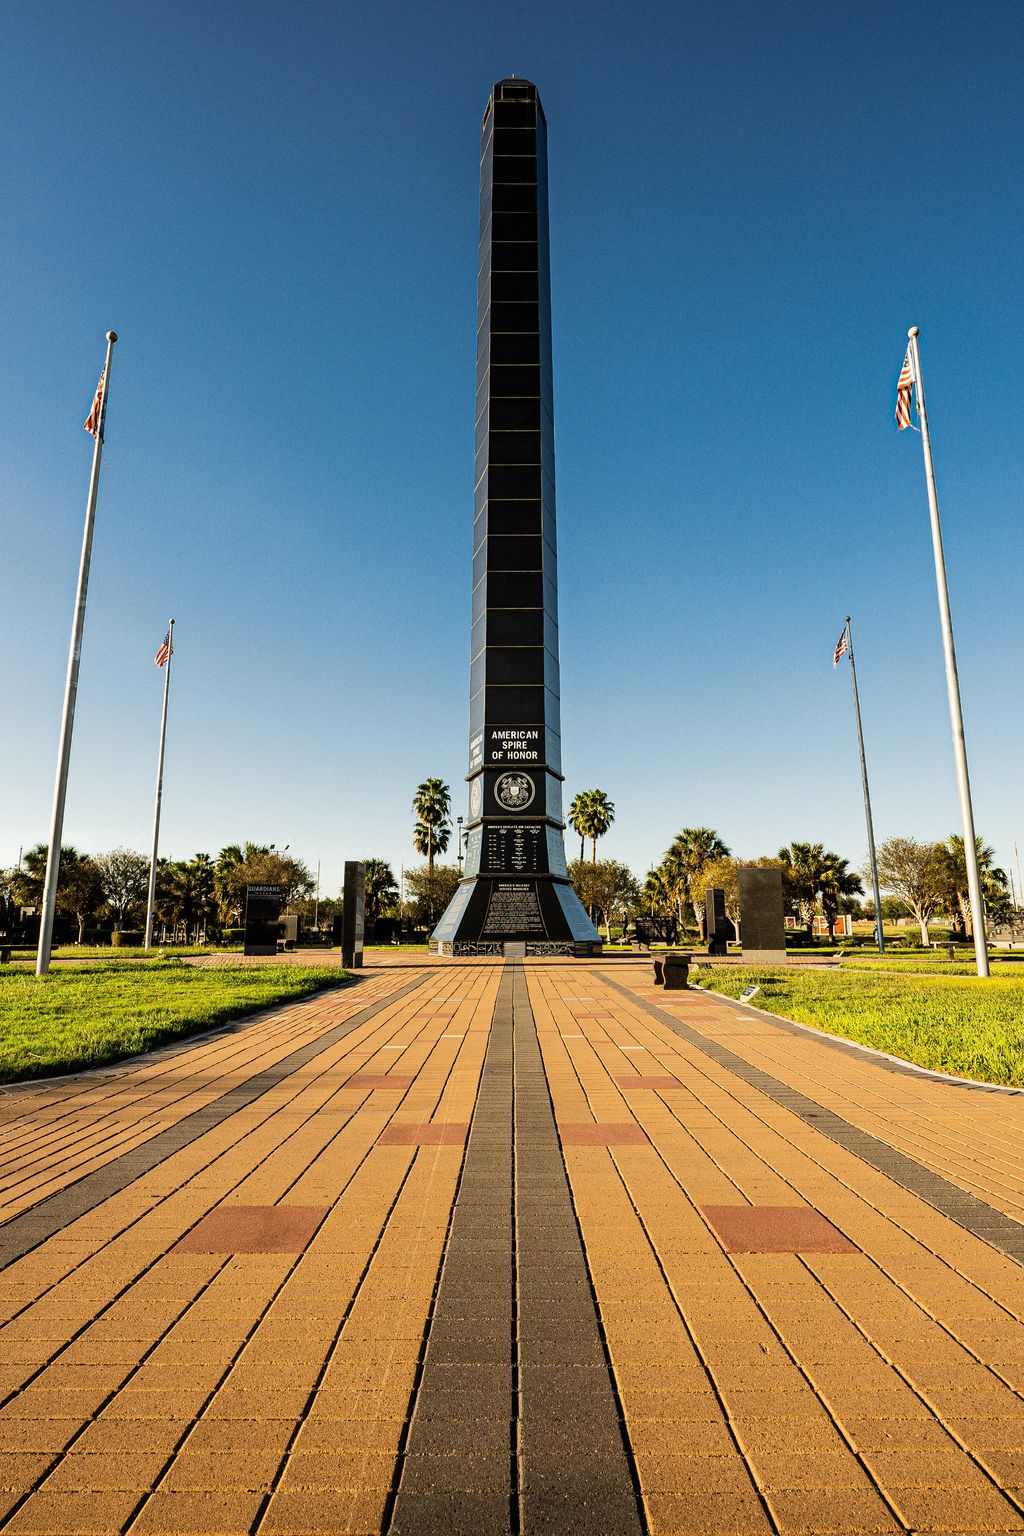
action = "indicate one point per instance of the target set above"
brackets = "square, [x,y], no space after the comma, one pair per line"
[841,648]
[904,391]
[94,420]
[165,650]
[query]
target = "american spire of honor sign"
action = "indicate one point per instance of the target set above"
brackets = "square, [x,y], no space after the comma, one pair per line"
[515,891]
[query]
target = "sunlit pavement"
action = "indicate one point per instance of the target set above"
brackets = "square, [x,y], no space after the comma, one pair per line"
[511,1247]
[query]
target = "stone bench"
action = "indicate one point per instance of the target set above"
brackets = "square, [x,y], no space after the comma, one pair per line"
[672,971]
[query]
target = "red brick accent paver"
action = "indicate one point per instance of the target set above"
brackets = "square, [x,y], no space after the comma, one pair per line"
[775,1229]
[253,1229]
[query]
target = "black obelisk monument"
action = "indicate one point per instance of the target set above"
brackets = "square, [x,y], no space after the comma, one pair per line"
[516,890]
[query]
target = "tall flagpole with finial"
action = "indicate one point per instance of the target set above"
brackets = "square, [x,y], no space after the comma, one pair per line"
[163,659]
[956,716]
[848,636]
[94,423]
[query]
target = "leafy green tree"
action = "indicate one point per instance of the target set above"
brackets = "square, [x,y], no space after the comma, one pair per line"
[590,815]
[258,866]
[381,888]
[79,893]
[125,880]
[956,894]
[606,888]
[915,873]
[692,850]
[658,905]
[803,869]
[230,890]
[188,893]
[431,889]
[432,804]
[838,881]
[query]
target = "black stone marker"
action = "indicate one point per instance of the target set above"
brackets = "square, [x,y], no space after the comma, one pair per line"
[716,924]
[352,915]
[516,887]
[263,905]
[762,923]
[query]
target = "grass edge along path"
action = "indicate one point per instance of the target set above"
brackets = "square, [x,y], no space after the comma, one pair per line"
[86,1016]
[954,1024]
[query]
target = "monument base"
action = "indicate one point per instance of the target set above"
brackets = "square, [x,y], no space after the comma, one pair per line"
[541,916]
[764,957]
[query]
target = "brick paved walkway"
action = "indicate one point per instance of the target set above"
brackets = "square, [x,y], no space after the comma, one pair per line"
[476,1248]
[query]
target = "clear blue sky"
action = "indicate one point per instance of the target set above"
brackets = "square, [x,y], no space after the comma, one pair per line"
[276,207]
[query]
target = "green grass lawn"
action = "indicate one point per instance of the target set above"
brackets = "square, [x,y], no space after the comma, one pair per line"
[128,952]
[83,1015]
[951,1023]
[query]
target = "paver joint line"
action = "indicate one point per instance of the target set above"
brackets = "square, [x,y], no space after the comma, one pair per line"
[43,1220]
[983,1221]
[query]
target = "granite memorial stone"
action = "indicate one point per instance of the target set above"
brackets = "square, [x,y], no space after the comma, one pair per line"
[353,914]
[716,924]
[263,905]
[762,924]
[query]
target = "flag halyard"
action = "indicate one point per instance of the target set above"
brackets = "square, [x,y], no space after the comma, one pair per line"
[904,393]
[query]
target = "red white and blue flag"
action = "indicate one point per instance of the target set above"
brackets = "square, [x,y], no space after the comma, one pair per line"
[841,648]
[904,393]
[165,651]
[94,421]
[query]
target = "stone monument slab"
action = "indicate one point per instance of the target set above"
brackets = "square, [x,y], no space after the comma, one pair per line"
[762,924]
[353,914]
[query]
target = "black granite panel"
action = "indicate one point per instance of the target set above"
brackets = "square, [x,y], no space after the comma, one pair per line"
[514,626]
[513,256]
[515,553]
[515,447]
[515,141]
[516,664]
[515,114]
[513,706]
[517,382]
[510,169]
[514,317]
[514,482]
[477,672]
[506,348]
[504,517]
[514,589]
[550,633]
[516,415]
[551,673]
[514,287]
[516,197]
[514,226]
[550,596]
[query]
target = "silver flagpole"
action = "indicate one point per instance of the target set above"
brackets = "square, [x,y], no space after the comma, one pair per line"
[67,724]
[159,790]
[867,796]
[956,717]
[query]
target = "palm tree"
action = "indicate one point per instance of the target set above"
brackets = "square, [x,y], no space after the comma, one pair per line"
[381,889]
[432,803]
[958,897]
[577,817]
[804,865]
[837,880]
[591,814]
[692,850]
